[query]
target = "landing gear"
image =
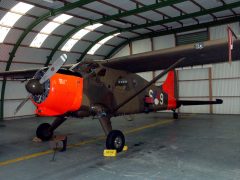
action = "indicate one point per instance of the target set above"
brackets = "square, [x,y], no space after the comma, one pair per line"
[44,131]
[115,140]
[175,115]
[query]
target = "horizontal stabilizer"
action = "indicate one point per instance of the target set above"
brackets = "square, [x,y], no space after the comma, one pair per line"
[189,102]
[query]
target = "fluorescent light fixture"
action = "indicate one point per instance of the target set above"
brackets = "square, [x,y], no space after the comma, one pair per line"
[10,18]
[48,29]
[78,36]
[100,43]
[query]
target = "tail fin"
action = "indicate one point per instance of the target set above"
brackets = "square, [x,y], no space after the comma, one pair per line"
[170,88]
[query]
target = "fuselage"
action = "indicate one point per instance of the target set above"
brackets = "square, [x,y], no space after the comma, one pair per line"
[100,89]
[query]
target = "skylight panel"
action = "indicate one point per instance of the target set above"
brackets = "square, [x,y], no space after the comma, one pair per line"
[48,29]
[94,26]
[69,44]
[78,36]
[21,8]
[10,18]
[100,43]
[62,18]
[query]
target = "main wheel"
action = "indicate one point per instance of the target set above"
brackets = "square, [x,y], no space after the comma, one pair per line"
[44,132]
[115,140]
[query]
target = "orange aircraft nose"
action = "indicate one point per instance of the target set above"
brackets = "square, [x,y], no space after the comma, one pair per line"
[65,95]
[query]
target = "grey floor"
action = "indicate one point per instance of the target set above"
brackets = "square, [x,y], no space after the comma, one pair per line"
[196,147]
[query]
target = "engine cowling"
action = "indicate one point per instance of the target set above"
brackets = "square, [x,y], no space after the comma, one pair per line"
[63,95]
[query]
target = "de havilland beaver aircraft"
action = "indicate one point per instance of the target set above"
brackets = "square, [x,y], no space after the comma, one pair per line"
[109,88]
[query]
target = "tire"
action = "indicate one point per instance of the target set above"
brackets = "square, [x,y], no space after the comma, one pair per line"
[44,132]
[115,140]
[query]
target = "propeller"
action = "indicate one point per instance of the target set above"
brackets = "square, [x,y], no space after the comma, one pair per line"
[36,86]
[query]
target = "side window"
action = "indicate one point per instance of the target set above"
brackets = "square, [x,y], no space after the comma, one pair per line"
[122,83]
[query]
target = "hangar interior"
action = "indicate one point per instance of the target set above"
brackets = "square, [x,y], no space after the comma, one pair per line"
[35,33]
[140,24]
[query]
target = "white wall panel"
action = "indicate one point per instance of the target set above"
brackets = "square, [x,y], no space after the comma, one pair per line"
[162,79]
[21,66]
[193,74]
[146,75]
[149,76]
[15,90]
[219,32]
[193,88]
[195,109]
[225,70]
[2,66]
[123,52]
[228,87]
[229,106]
[164,42]
[141,46]
[10,106]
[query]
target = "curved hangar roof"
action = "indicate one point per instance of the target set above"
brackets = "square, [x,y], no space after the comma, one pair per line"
[97,28]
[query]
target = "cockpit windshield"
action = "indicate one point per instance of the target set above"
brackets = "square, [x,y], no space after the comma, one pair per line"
[86,68]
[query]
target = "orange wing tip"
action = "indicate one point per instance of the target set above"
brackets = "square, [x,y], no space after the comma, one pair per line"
[110,153]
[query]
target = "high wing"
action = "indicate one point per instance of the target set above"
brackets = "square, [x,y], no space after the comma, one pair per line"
[195,54]
[214,51]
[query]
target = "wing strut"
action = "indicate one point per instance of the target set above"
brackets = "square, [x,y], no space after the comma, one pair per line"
[150,83]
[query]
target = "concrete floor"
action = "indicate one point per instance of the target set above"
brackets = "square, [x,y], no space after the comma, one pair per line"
[196,147]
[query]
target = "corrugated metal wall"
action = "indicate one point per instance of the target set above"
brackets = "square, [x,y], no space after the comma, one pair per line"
[192,88]
[194,83]
[226,85]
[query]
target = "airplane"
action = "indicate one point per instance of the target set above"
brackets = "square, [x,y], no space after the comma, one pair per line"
[108,88]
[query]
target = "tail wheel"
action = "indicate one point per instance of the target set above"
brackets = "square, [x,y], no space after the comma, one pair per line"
[44,131]
[175,115]
[115,140]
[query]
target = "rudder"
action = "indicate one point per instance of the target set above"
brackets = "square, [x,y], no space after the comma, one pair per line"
[170,88]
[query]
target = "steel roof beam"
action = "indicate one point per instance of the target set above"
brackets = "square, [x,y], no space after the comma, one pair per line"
[108,18]
[177,30]
[185,16]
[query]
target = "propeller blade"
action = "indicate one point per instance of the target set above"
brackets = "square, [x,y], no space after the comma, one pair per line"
[22,104]
[54,68]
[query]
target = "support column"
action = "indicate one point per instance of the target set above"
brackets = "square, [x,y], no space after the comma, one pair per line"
[210,89]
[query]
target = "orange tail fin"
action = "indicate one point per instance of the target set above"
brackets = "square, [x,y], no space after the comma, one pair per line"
[170,87]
